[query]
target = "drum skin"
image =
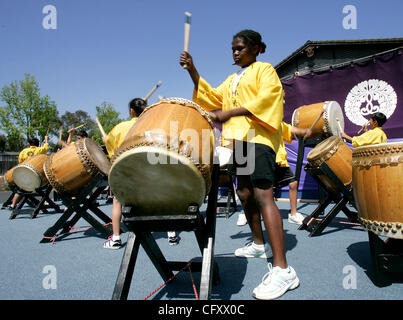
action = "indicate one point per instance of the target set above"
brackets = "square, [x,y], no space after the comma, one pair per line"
[70,169]
[337,155]
[164,164]
[378,188]
[29,175]
[305,116]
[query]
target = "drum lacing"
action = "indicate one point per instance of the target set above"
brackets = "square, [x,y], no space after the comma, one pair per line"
[317,162]
[170,279]
[85,157]
[385,155]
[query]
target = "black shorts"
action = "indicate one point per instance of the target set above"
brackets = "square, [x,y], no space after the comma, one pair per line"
[255,160]
[284,176]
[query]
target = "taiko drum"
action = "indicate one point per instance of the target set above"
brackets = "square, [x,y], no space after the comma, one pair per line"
[29,175]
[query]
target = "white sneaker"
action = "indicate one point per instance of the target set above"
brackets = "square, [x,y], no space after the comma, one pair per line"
[250,251]
[296,218]
[241,219]
[276,282]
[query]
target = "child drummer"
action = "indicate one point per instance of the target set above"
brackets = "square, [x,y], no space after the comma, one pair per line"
[374,136]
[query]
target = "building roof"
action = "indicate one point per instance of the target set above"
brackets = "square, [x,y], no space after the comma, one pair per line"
[358,42]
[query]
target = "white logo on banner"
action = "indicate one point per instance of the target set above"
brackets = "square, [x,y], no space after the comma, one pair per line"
[368,97]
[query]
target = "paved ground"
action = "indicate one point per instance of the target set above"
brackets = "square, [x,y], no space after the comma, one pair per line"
[333,266]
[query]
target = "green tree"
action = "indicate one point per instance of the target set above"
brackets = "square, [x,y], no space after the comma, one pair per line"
[108,117]
[26,114]
[74,119]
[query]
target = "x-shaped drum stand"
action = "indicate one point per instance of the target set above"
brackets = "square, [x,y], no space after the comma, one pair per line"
[30,197]
[341,197]
[83,202]
[140,228]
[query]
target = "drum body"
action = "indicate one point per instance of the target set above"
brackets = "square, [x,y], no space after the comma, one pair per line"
[9,176]
[165,162]
[304,117]
[29,175]
[378,188]
[70,169]
[337,155]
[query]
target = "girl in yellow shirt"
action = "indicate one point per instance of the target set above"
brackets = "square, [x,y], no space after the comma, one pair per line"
[250,107]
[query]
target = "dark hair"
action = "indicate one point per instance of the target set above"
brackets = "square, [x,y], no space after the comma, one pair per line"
[138,105]
[82,133]
[380,118]
[33,142]
[251,39]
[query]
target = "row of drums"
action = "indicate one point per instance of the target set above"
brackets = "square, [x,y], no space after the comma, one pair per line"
[164,164]
[374,173]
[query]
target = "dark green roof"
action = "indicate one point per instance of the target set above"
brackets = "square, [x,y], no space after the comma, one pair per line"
[397,41]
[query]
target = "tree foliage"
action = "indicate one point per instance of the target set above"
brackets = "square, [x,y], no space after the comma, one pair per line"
[26,114]
[108,117]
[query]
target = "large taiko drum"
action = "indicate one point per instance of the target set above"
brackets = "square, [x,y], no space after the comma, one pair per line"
[29,175]
[378,188]
[337,155]
[71,169]
[164,164]
[305,116]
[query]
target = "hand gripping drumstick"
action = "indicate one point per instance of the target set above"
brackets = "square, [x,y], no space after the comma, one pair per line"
[81,125]
[316,121]
[100,127]
[363,127]
[187,33]
[152,91]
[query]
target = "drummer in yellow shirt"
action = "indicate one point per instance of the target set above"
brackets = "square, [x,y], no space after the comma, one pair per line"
[32,150]
[112,141]
[284,175]
[250,104]
[374,136]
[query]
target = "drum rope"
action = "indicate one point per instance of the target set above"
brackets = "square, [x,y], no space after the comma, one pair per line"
[79,229]
[337,221]
[171,278]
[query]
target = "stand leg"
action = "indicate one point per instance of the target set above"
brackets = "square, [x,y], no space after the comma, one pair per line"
[122,285]
[315,213]
[377,246]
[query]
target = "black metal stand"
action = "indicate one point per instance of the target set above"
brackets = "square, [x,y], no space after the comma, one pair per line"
[231,200]
[140,228]
[341,197]
[83,202]
[30,197]
[387,258]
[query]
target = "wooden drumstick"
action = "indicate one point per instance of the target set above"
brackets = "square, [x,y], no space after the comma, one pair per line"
[100,127]
[60,133]
[316,121]
[341,130]
[152,91]
[187,33]
[363,127]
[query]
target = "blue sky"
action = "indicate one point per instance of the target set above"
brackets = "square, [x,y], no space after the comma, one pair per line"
[114,51]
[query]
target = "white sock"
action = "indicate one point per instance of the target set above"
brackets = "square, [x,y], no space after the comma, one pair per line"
[171,234]
[115,238]
[258,246]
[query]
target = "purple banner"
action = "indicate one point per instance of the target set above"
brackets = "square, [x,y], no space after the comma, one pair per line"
[361,89]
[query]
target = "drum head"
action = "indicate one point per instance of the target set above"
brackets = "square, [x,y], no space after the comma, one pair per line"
[333,112]
[26,178]
[168,187]
[98,157]
[322,148]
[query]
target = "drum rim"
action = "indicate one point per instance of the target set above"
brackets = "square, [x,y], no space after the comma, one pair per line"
[92,165]
[327,105]
[30,168]
[333,146]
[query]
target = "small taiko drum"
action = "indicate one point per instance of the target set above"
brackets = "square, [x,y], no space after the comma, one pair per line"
[378,188]
[29,175]
[306,116]
[337,156]
[164,164]
[71,169]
